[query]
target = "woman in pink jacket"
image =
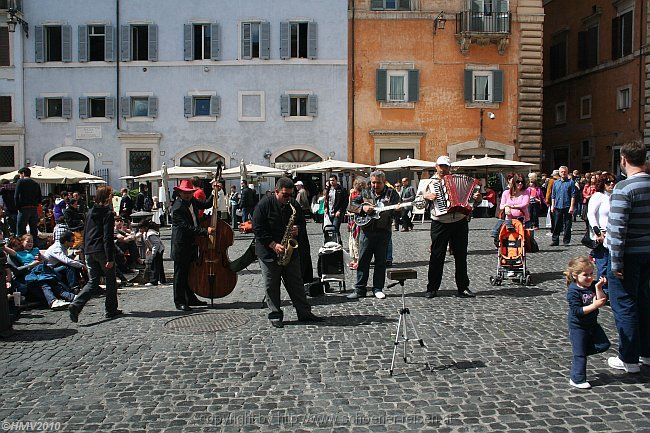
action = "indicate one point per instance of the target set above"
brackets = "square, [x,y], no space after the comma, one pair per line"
[515,201]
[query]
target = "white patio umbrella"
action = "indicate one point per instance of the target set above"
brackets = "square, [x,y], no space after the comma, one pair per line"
[92,181]
[127,178]
[251,170]
[407,164]
[175,172]
[330,165]
[75,174]
[491,164]
[41,175]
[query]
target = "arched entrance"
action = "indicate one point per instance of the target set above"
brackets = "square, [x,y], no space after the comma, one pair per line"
[298,157]
[69,159]
[201,158]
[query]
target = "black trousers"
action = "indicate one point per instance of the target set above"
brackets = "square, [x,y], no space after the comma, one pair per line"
[182,293]
[455,234]
[157,272]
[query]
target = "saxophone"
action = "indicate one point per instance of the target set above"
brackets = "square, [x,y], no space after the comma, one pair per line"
[288,242]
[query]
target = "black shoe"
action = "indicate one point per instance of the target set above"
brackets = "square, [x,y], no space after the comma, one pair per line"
[431,294]
[183,307]
[389,263]
[113,314]
[555,244]
[310,318]
[74,313]
[277,323]
[467,293]
[197,303]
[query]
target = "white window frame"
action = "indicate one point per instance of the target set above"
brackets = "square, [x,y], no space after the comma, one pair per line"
[619,100]
[298,93]
[584,115]
[88,27]
[11,55]
[45,40]
[241,33]
[47,96]
[396,73]
[299,21]
[132,24]
[201,94]
[262,95]
[203,25]
[558,120]
[490,76]
[96,119]
[136,119]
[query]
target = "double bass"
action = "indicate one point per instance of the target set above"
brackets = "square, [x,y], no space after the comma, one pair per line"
[211,275]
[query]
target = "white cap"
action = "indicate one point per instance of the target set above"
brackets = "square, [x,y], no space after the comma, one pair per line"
[443,160]
[299,183]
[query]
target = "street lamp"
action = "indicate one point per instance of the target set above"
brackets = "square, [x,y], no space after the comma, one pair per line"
[481,137]
[13,19]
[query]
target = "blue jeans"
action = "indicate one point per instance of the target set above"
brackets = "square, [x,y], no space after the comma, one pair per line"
[563,221]
[389,249]
[27,215]
[630,301]
[497,228]
[372,244]
[585,342]
[245,214]
[67,274]
[601,257]
[55,291]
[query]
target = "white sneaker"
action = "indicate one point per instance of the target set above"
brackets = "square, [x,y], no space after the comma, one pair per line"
[130,276]
[379,294]
[644,360]
[59,304]
[615,362]
[148,284]
[583,385]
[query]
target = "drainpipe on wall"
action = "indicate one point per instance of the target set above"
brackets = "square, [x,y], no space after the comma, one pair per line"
[352,64]
[642,80]
[117,63]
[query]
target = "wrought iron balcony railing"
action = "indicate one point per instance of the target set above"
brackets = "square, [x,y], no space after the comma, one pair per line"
[469,22]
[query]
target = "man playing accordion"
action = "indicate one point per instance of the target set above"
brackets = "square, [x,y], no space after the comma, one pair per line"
[451,227]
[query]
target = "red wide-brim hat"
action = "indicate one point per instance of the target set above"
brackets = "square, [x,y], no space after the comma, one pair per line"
[185,186]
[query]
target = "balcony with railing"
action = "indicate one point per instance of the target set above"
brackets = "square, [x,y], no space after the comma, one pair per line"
[483,28]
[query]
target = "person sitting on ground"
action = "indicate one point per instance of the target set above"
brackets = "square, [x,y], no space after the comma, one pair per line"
[23,251]
[56,256]
[60,205]
[60,228]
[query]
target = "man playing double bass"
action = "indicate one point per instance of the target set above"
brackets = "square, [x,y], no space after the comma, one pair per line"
[271,222]
[185,228]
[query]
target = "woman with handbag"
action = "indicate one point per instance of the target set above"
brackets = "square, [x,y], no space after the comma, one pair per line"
[597,215]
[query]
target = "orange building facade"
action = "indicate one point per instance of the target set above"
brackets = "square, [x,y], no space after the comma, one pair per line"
[595,81]
[434,77]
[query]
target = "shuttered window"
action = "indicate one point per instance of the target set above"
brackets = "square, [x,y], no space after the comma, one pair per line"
[255,40]
[136,106]
[96,43]
[299,106]
[5,109]
[558,56]
[483,86]
[140,42]
[5,57]
[622,35]
[588,48]
[390,5]
[398,85]
[53,47]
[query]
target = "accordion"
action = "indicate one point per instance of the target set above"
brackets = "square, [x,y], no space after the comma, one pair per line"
[453,194]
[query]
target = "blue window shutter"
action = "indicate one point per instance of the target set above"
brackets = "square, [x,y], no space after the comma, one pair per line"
[284,105]
[469,81]
[153,106]
[188,109]
[382,82]
[215,41]
[188,41]
[285,29]
[125,43]
[414,85]
[215,106]
[246,41]
[153,42]
[66,111]
[83,107]
[66,43]
[110,107]
[265,40]
[497,83]
[40,108]
[312,105]
[109,43]
[39,44]
[125,106]
[312,40]
[83,43]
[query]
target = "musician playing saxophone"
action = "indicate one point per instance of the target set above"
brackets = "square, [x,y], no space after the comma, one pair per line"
[374,237]
[451,228]
[277,220]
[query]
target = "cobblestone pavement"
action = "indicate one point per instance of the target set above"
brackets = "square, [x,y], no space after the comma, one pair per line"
[498,362]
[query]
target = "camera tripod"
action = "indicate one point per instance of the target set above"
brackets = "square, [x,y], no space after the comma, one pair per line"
[405,323]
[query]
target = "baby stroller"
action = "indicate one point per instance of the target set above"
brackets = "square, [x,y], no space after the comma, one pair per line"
[331,267]
[511,256]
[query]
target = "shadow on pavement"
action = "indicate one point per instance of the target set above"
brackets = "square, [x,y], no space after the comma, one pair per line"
[516,292]
[348,320]
[40,334]
[543,277]
[489,252]
[459,365]
[621,378]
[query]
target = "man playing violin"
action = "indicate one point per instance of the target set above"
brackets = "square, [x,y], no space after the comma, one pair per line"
[374,236]
[185,228]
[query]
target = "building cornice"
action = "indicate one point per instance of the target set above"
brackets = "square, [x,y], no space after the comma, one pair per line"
[404,133]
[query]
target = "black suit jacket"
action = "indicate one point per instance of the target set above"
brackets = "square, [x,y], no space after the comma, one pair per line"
[184,231]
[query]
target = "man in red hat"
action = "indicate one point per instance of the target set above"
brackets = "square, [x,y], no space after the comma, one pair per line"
[185,228]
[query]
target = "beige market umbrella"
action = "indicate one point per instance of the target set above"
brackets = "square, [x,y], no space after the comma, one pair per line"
[40,174]
[175,172]
[407,164]
[330,165]
[491,164]
[75,174]
[251,170]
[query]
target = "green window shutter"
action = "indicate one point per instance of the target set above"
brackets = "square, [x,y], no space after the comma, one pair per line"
[404,5]
[83,107]
[312,105]
[125,43]
[188,108]
[497,84]
[110,107]
[109,43]
[188,42]
[312,40]
[83,43]
[66,108]
[414,85]
[246,52]
[40,108]
[215,106]
[39,44]
[285,29]
[377,5]
[265,40]
[284,105]
[153,42]
[66,44]
[469,82]
[382,82]
[215,41]
[125,106]
[153,106]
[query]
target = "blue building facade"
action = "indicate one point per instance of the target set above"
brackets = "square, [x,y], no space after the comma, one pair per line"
[119,87]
